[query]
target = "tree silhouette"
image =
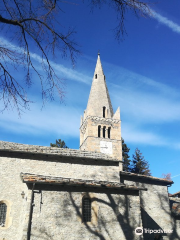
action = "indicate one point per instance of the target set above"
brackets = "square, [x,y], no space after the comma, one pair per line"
[139,164]
[125,156]
[59,144]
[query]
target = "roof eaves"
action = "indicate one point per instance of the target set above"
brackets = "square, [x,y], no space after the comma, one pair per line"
[123,173]
[23,149]
[41,179]
[174,194]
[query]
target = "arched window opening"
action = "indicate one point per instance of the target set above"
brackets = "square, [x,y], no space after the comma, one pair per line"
[86,208]
[104,111]
[3,212]
[99,131]
[109,132]
[95,76]
[104,132]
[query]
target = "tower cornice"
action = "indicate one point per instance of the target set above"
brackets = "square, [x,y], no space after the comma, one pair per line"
[100,119]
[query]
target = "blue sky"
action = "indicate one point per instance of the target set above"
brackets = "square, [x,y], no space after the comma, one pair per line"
[142,74]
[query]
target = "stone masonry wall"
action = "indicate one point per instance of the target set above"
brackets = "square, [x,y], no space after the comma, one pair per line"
[93,144]
[90,127]
[155,209]
[90,141]
[175,217]
[11,185]
[58,216]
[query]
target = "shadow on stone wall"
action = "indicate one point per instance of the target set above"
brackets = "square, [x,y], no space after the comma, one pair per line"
[126,219]
[123,220]
[40,233]
[150,223]
[165,199]
[115,200]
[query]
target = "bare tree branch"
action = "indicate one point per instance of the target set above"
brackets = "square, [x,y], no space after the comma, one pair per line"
[121,7]
[32,21]
[34,27]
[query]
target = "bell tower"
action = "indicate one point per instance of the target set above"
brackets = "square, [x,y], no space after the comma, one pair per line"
[100,129]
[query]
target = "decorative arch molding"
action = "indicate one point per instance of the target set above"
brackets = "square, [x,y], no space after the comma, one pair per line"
[8,219]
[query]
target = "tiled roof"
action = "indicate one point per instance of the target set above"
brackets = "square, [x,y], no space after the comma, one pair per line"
[41,179]
[176,209]
[64,152]
[174,194]
[146,177]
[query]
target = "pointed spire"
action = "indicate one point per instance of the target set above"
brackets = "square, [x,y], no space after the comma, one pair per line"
[99,95]
[98,69]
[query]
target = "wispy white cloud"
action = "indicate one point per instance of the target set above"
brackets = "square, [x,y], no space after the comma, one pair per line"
[127,79]
[136,135]
[176,176]
[142,100]
[177,145]
[53,119]
[72,74]
[60,70]
[164,20]
[146,105]
[59,119]
[141,103]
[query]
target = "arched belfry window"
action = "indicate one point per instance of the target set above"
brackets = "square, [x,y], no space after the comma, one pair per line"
[95,76]
[104,112]
[104,132]
[99,131]
[3,212]
[86,209]
[109,132]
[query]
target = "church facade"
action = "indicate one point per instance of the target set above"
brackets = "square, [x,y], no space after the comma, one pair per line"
[50,193]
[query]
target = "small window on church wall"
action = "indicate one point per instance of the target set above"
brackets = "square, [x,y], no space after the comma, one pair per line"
[99,131]
[104,111]
[104,132]
[109,132]
[3,212]
[86,209]
[95,76]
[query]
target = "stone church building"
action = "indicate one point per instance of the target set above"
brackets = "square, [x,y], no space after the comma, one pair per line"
[51,193]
